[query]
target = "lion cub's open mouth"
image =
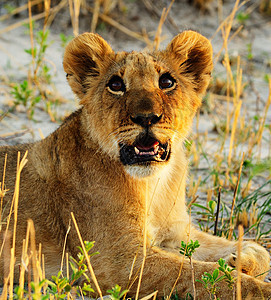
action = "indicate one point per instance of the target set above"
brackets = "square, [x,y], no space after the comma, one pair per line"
[145,149]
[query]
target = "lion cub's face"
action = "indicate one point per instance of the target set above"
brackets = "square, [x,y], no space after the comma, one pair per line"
[139,104]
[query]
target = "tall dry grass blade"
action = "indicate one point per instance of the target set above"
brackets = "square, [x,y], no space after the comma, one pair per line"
[35,262]
[29,278]
[6,261]
[225,28]
[33,250]
[95,15]
[234,198]
[192,190]
[74,6]
[39,255]
[43,275]
[9,251]
[20,166]
[144,240]
[164,15]
[3,190]
[25,260]
[53,11]
[31,32]
[260,131]
[152,295]
[71,12]
[233,130]
[239,266]
[77,4]
[87,257]
[156,41]
[132,267]
[64,247]
[11,273]
[23,267]
[67,272]
[47,4]
[4,295]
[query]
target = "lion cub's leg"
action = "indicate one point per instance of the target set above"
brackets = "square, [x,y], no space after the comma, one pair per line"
[254,258]
[163,268]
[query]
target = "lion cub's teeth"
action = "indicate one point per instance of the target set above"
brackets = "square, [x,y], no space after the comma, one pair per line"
[146,153]
[137,151]
[155,150]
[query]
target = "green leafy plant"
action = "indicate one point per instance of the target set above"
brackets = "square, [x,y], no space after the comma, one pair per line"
[209,213]
[9,8]
[38,86]
[249,51]
[224,268]
[210,282]
[25,96]
[65,39]
[35,294]
[115,292]
[41,70]
[242,17]
[188,250]
[60,286]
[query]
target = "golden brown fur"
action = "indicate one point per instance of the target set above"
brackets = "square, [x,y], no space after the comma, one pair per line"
[131,102]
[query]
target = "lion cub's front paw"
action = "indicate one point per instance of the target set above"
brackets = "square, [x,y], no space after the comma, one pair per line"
[254,260]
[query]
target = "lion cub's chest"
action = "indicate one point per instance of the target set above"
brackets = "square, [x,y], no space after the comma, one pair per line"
[167,219]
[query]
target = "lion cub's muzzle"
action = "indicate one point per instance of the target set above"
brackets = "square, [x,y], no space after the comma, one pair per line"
[146,147]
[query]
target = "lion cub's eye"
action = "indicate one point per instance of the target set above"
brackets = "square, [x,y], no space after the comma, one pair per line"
[116,84]
[166,81]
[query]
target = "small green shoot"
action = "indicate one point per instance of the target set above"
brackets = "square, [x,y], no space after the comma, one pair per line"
[65,39]
[210,282]
[115,292]
[60,286]
[25,96]
[208,212]
[224,268]
[188,250]
[242,17]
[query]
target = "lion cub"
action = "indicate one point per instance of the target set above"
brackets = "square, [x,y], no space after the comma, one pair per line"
[122,152]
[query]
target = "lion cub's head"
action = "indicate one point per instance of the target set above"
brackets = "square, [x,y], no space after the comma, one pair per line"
[139,105]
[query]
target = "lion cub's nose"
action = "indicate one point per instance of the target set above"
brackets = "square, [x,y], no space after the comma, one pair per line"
[146,120]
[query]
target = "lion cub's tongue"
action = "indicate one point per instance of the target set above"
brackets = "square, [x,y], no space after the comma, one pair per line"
[151,149]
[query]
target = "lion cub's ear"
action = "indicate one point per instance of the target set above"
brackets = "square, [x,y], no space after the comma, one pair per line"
[193,54]
[83,58]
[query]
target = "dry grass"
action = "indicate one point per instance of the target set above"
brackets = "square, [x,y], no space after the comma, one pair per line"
[224,168]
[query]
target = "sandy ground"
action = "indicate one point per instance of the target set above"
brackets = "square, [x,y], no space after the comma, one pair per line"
[17,128]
